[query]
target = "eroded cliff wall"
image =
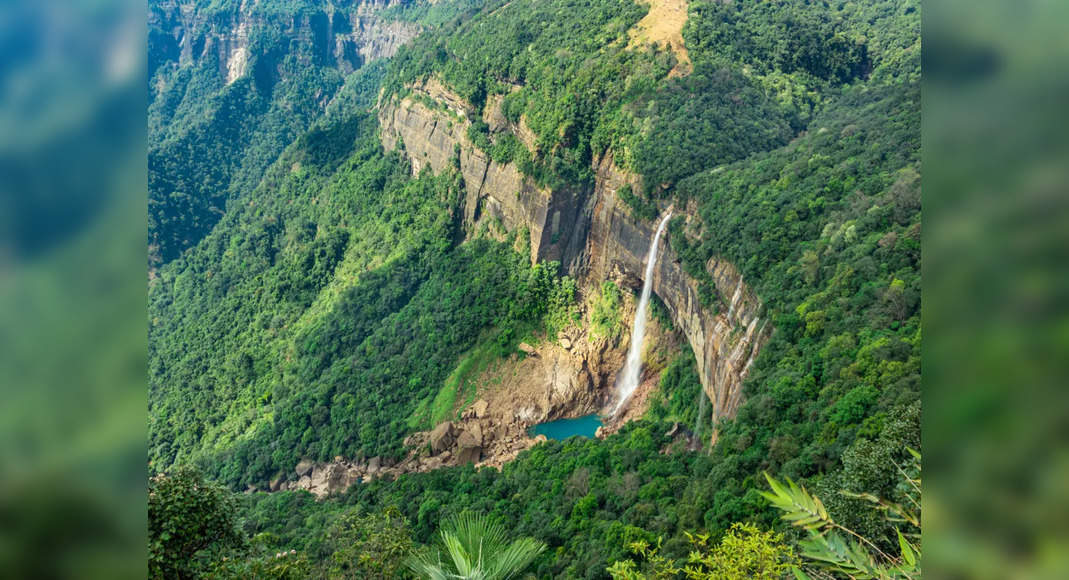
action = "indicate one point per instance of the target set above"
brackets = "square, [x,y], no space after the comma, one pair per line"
[344,35]
[725,340]
[433,130]
[592,233]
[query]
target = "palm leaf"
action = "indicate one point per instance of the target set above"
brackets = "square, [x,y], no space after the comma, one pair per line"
[478,549]
[799,507]
[512,560]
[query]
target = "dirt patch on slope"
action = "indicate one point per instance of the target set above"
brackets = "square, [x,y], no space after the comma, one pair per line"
[663,25]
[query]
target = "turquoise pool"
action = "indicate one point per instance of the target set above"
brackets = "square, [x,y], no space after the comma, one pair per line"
[565,428]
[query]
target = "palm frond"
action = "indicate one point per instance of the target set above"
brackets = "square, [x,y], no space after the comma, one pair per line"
[426,566]
[799,507]
[478,549]
[514,559]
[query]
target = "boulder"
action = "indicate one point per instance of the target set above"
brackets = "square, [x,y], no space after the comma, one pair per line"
[304,467]
[442,437]
[374,465]
[328,479]
[530,350]
[276,484]
[470,444]
[480,407]
[566,343]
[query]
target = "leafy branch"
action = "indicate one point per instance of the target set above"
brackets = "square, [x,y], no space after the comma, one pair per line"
[838,550]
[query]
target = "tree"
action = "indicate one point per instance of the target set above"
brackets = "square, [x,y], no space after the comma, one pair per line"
[369,545]
[477,547]
[836,550]
[744,552]
[190,521]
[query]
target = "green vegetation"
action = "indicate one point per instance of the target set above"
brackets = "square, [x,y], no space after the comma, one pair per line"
[478,549]
[744,552]
[680,388]
[338,302]
[641,207]
[335,306]
[210,140]
[605,317]
[368,546]
[191,523]
[459,382]
[835,549]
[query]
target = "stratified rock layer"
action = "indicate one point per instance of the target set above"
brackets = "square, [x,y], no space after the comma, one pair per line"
[346,35]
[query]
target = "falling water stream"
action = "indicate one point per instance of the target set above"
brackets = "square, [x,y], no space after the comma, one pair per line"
[627,384]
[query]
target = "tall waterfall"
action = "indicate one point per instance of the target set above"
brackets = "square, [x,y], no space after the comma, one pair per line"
[633,368]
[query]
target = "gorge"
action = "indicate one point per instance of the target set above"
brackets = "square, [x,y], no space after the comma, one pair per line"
[593,234]
[402,251]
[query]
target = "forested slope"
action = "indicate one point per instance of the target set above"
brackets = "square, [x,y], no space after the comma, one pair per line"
[339,293]
[231,85]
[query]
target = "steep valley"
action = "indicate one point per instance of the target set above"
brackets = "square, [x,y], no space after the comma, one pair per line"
[389,237]
[594,235]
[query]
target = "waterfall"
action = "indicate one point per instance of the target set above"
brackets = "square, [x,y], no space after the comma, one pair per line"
[632,369]
[701,412]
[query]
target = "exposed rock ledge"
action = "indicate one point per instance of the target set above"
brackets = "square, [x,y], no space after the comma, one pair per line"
[591,233]
[346,36]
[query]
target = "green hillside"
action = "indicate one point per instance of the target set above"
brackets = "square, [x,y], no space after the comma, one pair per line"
[327,294]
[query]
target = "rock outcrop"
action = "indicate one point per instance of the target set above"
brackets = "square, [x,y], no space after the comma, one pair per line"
[304,467]
[725,343]
[592,233]
[442,437]
[345,37]
[497,194]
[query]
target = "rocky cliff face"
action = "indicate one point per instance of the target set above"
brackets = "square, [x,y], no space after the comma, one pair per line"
[344,35]
[498,195]
[725,343]
[591,233]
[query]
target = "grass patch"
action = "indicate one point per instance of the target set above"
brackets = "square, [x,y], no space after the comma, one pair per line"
[459,385]
[605,318]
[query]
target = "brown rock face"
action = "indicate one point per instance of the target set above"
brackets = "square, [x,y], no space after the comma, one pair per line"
[725,343]
[496,193]
[304,467]
[343,37]
[442,437]
[470,444]
[592,233]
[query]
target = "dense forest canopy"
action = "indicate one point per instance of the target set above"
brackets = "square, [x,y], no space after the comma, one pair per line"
[325,293]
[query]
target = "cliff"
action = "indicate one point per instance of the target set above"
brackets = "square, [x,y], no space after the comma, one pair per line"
[590,232]
[344,36]
[498,195]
